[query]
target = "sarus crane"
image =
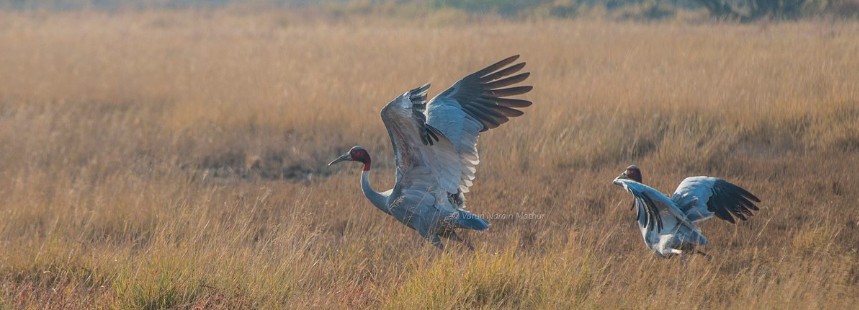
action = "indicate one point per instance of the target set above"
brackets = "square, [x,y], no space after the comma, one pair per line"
[668,223]
[435,147]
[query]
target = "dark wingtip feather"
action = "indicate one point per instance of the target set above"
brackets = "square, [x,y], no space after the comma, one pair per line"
[481,97]
[508,81]
[746,193]
[652,214]
[729,201]
[513,103]
[512,91]
[498,65]
[418,97]
[508,111]
[492,112]
[502,73]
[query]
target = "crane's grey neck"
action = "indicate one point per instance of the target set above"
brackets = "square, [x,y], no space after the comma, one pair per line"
[378,200]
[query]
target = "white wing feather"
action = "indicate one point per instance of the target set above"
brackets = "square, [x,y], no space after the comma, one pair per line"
[459,150]
[660,201]
[692,195]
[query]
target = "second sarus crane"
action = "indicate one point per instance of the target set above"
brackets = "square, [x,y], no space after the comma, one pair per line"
[435,146]
[668,223]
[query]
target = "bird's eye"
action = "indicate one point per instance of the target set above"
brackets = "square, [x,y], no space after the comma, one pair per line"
[357,154]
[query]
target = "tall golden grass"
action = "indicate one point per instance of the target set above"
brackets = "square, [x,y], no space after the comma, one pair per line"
[177,160]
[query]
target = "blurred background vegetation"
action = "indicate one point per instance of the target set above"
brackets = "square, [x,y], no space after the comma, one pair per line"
[643,10]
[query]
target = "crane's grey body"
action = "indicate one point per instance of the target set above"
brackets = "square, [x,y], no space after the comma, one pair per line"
[435,148]
[677,232]
[667,224]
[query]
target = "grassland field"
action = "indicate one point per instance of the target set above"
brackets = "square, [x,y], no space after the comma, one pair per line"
[164,159]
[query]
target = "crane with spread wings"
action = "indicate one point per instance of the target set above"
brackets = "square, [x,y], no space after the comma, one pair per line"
[668,223]
[435,147]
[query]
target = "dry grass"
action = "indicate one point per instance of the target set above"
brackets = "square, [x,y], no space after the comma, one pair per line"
[154,160]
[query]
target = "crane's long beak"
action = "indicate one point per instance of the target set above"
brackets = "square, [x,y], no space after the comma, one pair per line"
[622,176]
[343,157]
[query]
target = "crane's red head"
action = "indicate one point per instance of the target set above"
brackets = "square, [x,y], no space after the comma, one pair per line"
[356,153]
[632,172]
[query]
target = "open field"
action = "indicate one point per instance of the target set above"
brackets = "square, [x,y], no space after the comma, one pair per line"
[177,159]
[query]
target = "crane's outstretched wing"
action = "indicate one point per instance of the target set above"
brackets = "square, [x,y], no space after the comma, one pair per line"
[652,202]
[476,103]
[702,197]
[405,122]
[442,135]
[416,158]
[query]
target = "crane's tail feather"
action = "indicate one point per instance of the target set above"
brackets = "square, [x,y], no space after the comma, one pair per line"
[468,220]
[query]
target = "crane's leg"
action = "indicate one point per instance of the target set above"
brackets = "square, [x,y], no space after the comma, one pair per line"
[436,241]
[707,256]
[451,235]
[683,257]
